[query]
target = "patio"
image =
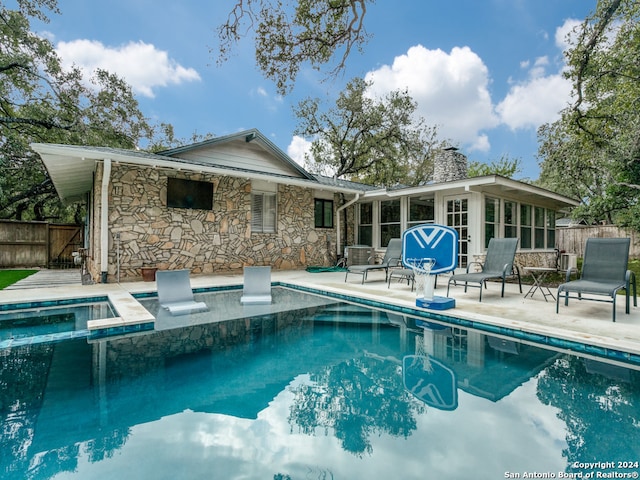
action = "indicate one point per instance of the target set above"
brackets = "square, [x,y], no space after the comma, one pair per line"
[585,322]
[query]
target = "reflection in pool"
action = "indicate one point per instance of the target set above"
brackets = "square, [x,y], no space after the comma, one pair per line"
[330,391]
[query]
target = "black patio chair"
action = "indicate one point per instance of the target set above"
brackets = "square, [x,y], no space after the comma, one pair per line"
[499,263]
[604,272]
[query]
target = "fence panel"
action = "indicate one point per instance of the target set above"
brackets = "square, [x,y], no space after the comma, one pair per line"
[38,244]
[572,239]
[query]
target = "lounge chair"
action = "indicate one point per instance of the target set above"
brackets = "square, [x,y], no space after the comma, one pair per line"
[498,264]
[391,259]
[175,294]
[257,286]
[604,272]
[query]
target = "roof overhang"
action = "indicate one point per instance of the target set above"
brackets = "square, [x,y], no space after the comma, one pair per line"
[71,168]
[490,185]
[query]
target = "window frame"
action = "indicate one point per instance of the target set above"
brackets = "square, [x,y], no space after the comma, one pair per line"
[259,219]
[326,206]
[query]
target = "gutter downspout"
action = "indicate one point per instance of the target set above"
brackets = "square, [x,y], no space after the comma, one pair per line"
[104,221]
[338,210]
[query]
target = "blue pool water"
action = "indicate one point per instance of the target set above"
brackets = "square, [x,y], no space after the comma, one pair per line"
[42,323]
[319,389]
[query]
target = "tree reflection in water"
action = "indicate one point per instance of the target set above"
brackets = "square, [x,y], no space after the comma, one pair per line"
[355,399]
[599,404]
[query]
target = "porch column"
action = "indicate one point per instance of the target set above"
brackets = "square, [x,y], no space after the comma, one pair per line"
[104,221]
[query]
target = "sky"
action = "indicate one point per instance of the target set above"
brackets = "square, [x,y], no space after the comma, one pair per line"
[487,73]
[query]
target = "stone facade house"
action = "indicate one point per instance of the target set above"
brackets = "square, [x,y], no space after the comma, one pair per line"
[237,200]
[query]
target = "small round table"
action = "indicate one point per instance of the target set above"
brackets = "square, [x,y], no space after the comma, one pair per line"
[539,275]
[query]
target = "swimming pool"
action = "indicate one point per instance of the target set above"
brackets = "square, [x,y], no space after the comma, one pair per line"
[47,321]
[319,389]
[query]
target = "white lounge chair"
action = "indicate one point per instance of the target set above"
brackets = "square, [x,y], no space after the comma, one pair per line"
[257,285]
[175,293]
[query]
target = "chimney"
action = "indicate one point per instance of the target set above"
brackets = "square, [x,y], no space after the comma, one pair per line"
[449,165]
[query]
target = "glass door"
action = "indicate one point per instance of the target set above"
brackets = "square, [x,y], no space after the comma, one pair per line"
[457,213]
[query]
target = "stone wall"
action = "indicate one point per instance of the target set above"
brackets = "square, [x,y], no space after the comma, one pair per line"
[145,233]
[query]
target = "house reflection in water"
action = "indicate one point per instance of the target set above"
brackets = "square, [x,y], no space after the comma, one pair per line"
[485,365]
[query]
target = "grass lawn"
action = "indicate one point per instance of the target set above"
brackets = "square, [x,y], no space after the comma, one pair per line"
[9,277]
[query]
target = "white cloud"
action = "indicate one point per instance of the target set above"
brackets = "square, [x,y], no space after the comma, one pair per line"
[535,102]
[297,150]
[566,34]
[451,90]
[541,97]
[142,65]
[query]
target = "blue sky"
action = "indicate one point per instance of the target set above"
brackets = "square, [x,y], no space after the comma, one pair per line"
[486,72]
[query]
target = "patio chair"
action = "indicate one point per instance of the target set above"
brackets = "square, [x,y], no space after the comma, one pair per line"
[175,293]
[604,272]
[391,259]
[498,264]
[257,286]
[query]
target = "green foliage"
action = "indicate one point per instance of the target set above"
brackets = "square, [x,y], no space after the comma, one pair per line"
[9,277]
[374,141]
[592,153]
[505,167]
[41,102]
[291,33]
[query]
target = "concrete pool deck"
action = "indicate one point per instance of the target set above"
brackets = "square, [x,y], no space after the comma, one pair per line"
[585,322]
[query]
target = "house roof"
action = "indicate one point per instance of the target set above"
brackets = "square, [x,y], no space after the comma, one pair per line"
[249,154]
[490,184]
[71,167]
[252,136]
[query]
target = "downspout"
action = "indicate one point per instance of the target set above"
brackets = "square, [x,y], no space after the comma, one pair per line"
[104,221]
[338,210]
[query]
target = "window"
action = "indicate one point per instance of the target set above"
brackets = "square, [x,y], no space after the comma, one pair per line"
[421,210]
[491,219]
[539,224]
[551,229]
[263,212]
[510,219]
[182,193]
[323,213]
[365,225]
[525,226]
[389,221]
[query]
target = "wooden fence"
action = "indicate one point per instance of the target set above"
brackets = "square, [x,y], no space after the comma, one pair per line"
[38,244]
[572,239]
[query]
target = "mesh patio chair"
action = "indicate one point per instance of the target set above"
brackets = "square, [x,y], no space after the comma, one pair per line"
[257,286]
[391,259]
[604,272]
[498,264]
[175,293]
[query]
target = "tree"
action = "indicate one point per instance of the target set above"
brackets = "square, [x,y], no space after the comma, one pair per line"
[290,33]
[593,151]
[375,141]
[505,166]
[41,102]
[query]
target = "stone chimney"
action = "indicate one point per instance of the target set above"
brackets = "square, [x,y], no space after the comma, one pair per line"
[449,165]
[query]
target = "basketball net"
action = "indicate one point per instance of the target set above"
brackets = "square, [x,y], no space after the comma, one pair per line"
[425,282]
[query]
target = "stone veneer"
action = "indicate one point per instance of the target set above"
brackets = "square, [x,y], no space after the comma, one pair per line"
[204,241]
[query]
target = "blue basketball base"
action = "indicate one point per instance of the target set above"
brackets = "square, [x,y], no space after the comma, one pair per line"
[437,303]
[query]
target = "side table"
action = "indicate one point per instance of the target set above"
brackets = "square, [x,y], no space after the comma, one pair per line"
[539,275]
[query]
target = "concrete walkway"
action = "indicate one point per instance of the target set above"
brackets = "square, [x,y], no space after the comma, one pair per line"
[49,278]
[582,321]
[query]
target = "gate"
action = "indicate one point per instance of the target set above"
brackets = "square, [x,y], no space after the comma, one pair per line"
[38,244]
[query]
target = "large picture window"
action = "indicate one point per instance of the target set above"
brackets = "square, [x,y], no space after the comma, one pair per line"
[323,213]
[182,193]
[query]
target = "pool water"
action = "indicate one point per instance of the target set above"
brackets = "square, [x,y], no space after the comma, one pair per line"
[38,322]
[328,390]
